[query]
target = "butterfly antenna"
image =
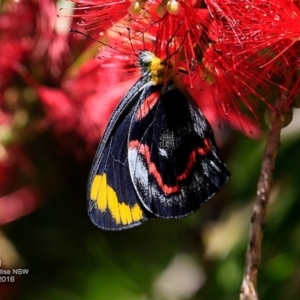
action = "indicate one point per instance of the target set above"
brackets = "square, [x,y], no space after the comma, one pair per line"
[178,49]
[95,40]
[130,39]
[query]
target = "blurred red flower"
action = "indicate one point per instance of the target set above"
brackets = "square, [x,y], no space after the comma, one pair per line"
[28,55]
[85,101]
[16,198]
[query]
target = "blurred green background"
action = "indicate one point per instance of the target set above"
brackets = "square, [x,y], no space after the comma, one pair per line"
[198,257]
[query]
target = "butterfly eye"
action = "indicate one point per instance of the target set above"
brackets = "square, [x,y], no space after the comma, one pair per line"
[145,58]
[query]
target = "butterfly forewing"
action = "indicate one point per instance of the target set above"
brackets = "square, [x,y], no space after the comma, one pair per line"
[112,201]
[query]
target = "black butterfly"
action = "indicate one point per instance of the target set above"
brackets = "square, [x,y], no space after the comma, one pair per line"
[158,156]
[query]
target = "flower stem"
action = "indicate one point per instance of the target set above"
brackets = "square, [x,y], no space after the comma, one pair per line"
[258,219]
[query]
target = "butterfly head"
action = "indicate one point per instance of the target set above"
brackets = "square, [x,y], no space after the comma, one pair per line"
[155,69]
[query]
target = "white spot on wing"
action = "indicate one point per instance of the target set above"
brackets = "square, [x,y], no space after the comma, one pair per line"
[163,152]
[138,171]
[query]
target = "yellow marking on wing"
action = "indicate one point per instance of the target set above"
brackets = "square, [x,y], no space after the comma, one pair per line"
[136,212]
[95,187]
[125,213]
[106,198]
[102,194]
[113,204]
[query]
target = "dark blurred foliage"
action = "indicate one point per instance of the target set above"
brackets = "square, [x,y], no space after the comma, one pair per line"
[69,258]
[45,227]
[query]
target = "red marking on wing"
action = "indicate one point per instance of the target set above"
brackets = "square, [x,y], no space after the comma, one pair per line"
[145,151]
[206,148]
[147,105]
[202,151]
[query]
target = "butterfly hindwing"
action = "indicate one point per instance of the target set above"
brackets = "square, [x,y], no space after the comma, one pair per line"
[173,159]
[112,201]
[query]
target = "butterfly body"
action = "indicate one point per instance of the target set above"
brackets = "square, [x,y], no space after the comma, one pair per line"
[157,157]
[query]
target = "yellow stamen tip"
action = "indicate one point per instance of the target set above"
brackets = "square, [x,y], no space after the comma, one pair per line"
[173,7]
[161,10]
[134,8]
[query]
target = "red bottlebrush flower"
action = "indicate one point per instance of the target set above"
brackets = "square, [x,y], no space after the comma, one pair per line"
[210,103]
[173,24]
[100,15]
[235,78]
[171,30]
[174,29]
[256,22]
[267,35]
[166,27]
